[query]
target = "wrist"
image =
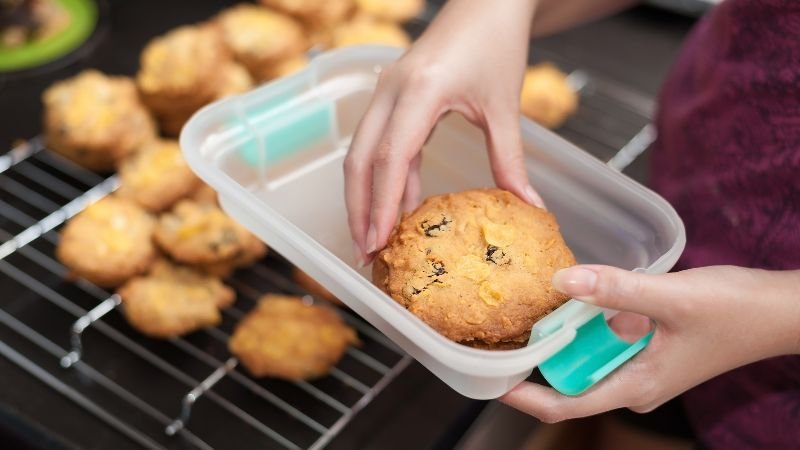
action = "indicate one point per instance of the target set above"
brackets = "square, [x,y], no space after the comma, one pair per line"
[783,296]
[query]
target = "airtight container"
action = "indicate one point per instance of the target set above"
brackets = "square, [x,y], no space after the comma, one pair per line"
[275,157]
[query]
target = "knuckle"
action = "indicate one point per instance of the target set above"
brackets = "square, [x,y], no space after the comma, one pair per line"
[642,409]
[424,78]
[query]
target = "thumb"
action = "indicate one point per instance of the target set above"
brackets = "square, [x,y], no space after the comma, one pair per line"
[610,287]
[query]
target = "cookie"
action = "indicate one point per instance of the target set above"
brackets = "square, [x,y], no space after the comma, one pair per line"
[391,10]
[296,8]
[285,338]
[204,193]
[173,300]
[252,250]
[313,287]
[95,120]
[157,176]
[259,37]
[330,13]
[197,233]
[476,266]
[360,32]
[108,243]
[283,68]
[180,71]
[547,97]
[234,79]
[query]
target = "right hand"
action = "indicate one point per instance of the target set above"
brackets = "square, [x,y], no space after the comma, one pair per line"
[471,60]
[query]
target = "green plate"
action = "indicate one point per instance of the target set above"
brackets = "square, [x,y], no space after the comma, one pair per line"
[83,15]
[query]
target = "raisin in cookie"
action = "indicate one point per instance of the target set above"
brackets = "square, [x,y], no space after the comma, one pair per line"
[286,338]
[476,266]
[547,97]
[157,176]
[108,242]
[201,233]
[95,120]
[173,300]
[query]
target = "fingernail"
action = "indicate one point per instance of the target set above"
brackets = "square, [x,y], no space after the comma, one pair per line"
[372,239]
[575,281]
[533,197]
[357,254]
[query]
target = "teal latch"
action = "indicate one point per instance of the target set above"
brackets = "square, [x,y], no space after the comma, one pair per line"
[287,130]
[594,353]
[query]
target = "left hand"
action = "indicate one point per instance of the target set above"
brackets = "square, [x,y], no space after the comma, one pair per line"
[708,321]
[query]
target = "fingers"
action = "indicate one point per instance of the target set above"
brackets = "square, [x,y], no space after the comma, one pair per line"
[405,133]
[506,156]
[358,169]
[655,296]
[413,191]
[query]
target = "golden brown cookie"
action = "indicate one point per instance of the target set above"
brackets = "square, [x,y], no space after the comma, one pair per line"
[180,71]
[296,8]
[197,233]
[313,287]
[157,176]
[235,80]
[174,300]
[358,32]
[285,338]
[108,242]
[547,97]
[284,68]
[95,120]
[252,250]
[259,37]
[475,266]
[204,194]
[330,13]
[392,10]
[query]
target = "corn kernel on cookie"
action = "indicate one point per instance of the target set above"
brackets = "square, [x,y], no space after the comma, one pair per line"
[260,37]
[362,31]
[108,242]
[547,97]
[157,176]
[313,287]
[180,71]
[95,120]
[174,300]
[285,338]
[476,265]
[391,10]
[196,233]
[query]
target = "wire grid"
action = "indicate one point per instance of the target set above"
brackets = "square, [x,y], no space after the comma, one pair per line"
[134,383]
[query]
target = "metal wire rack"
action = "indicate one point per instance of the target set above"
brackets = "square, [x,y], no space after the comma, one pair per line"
[148,389]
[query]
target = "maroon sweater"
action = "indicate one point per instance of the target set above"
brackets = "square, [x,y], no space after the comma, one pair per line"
[728,159]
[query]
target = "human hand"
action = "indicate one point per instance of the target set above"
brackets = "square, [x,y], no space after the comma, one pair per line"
[708,321]
[471,61]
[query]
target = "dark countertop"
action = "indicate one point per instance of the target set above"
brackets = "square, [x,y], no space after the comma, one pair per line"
[416,410]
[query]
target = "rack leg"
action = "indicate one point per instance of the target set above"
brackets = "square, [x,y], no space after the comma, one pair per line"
[82,324]
[190,398]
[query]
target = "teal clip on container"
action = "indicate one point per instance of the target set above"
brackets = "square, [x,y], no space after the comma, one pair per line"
[275,157]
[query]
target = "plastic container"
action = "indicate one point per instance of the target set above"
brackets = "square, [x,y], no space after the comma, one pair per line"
[275,157]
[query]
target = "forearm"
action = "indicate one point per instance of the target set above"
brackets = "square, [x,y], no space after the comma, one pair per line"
[552,16]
